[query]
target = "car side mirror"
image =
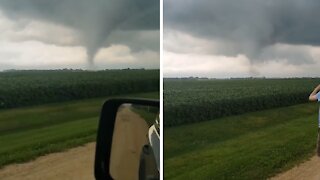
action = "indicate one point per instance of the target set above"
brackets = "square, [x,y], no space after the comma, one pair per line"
[128,140]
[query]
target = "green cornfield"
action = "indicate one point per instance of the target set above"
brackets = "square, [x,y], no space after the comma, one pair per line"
[35,87]
[195,100]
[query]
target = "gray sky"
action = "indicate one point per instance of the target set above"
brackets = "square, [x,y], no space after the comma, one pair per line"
[239,38]
[99,34]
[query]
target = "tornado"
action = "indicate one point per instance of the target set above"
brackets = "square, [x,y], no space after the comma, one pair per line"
[95,20]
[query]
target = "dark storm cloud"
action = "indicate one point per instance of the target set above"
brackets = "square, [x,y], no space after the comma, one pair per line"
[249,27]
[137,40]
[94,19]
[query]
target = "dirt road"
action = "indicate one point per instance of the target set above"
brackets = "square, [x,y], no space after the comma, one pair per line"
[309,170]
[78,163]
[130,134]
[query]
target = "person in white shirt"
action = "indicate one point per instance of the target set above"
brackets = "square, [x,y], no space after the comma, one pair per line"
[315,96]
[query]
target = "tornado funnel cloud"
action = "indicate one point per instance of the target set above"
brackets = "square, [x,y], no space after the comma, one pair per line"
[90,58]
[94,20]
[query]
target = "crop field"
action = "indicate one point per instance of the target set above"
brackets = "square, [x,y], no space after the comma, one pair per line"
[237,128]
[35,87]
[28,132]
[195,100]
[48,111]
[255,145]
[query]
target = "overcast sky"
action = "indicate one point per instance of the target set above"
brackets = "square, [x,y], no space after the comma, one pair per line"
[240,38]
[99,34]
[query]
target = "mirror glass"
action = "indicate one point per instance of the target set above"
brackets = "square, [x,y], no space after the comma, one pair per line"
[135,143]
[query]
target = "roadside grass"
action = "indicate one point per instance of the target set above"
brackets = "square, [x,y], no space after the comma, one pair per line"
[150,116]
[254,145]
[26,133]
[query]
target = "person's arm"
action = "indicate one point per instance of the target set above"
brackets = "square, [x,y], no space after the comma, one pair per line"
[313,95]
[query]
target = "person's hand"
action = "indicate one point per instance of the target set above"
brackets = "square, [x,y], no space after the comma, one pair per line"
[313,95]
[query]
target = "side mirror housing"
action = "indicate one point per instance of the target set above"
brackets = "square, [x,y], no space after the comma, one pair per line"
[128,140]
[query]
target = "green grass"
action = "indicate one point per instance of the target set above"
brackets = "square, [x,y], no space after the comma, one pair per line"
[26,133]
[255,145]
[149,116]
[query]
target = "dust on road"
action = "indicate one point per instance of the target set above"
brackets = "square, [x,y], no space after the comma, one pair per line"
[309,170]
